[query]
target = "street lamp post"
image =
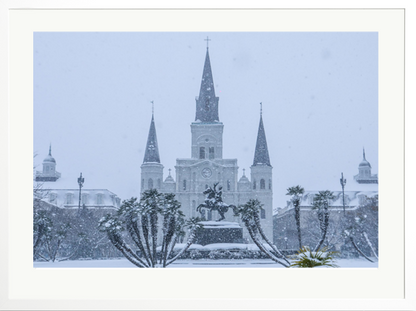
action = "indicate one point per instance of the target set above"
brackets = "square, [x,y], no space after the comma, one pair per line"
[80,183]
[343,182]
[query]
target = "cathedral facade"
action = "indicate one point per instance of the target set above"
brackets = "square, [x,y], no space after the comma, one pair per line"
[206,165]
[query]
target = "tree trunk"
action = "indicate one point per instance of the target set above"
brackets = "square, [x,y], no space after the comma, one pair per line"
[260,229]
[145,228]
[153,230]
[191,240]
[260,245]
[358,250]
[297,218]
[139,243]
[125,250]
[369,244]
[324,219]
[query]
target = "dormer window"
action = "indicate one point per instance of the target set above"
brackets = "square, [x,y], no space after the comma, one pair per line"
[99,199]
[69,198]
[84,198]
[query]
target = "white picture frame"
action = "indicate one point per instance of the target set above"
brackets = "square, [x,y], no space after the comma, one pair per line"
[24,287]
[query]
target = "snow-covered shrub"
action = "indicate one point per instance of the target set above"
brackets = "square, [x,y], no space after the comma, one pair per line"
[195,254]
[309,259]
[236,255]
[215,254]
[226,254]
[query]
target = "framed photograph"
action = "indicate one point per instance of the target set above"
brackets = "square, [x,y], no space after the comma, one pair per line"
[326,86]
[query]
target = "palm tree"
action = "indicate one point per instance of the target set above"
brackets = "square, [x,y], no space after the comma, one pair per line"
[249,214]
[140,219]
[296,193]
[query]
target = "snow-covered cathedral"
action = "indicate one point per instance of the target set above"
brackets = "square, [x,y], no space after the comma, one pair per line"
[207,166]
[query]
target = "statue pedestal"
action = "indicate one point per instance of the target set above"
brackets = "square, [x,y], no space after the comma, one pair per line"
[219,232]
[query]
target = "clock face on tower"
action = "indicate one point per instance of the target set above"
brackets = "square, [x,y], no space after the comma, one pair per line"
[206,172]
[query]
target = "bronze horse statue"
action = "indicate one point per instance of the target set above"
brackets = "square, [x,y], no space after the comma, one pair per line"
[213,201]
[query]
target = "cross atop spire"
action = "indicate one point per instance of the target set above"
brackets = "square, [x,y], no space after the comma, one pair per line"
[153,108]
[207,39]
[261,109]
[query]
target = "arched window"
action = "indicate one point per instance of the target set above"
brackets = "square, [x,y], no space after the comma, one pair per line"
[262,213]
[254,184]
[228,185]
[184,184]
[150,184]
[211,153]
[270,184]
[262,184]
[202,152]
[159,183]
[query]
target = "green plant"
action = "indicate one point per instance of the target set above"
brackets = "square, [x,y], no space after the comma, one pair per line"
[309,259]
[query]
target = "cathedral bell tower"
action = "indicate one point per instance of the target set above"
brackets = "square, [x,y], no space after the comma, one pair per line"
[151,169]
[261,178]
[207,130]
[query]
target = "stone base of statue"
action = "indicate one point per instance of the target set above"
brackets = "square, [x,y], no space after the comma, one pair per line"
[219,232]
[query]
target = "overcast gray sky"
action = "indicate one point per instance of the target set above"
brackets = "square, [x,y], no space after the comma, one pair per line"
[92,94]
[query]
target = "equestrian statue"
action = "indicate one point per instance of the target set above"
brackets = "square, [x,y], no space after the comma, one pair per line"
[213,202]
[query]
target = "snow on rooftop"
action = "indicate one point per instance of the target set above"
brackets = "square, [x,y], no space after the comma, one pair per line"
[71,183]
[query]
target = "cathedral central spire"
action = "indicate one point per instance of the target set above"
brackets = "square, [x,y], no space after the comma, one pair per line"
[207,102]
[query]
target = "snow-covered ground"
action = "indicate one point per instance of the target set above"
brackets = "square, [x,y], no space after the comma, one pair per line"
[201,263]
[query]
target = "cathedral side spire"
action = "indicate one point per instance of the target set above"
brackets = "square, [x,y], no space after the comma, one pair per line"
[261,154]
[152,151]
[207,102]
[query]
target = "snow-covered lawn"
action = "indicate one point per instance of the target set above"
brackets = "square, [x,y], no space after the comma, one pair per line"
[201,263]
